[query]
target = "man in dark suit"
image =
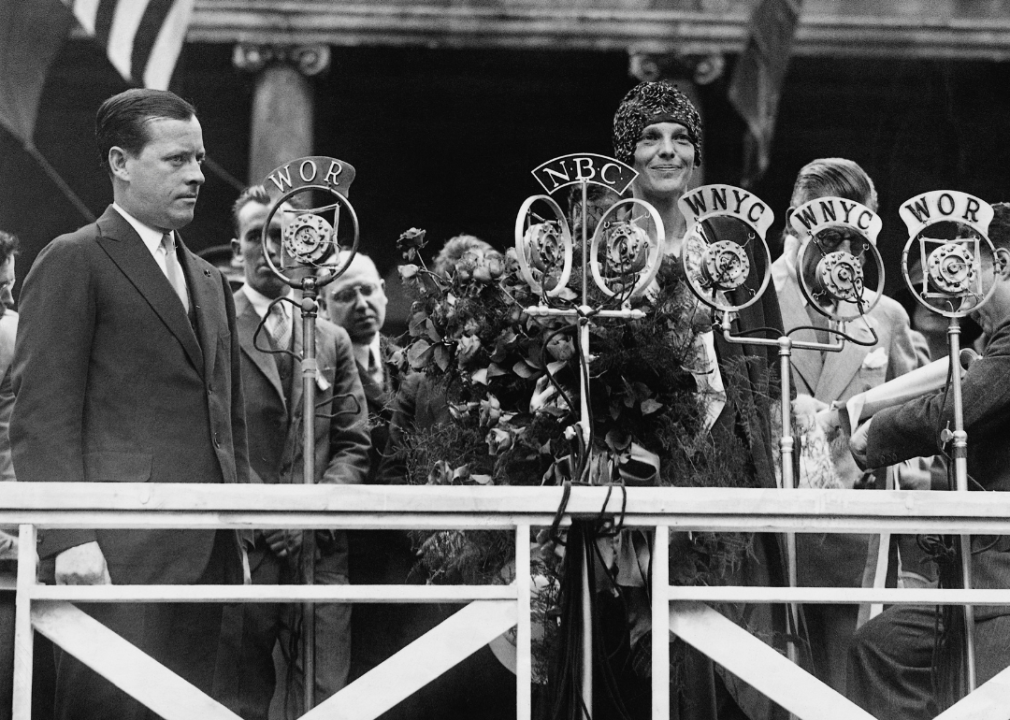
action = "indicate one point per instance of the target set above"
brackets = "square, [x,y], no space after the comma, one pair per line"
[356,301]
[274,418]
[890,670]
[126,369]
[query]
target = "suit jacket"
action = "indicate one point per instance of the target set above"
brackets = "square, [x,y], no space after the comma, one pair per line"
[114,383]
[829,558]
[275,441]
[912,430]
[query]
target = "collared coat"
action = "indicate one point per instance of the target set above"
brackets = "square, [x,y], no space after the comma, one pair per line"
[114,383]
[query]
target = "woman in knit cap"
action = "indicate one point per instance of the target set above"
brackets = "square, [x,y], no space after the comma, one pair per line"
[658,131]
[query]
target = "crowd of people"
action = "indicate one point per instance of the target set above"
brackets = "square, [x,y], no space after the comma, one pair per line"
[135,361]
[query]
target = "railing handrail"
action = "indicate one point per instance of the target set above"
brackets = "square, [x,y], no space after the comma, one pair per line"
[151,505]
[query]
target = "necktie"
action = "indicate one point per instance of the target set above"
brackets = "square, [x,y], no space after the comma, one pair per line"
[375,369]
[280,327]
[173,271]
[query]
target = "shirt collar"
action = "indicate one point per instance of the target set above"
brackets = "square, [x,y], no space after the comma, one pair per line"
[150,236]
[372,349]
[261,303]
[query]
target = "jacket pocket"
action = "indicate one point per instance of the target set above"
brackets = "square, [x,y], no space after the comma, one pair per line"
[115,466]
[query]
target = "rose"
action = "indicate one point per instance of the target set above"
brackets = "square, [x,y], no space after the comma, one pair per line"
[490,410]
[413,238]
[498,440]
[561,348]
[467,348]
[407,271]
[440,474]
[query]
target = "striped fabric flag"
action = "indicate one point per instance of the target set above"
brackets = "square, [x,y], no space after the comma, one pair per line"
[758,78]
[31,35]
[141,37]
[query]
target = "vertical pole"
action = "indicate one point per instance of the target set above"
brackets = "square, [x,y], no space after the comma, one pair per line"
[24,652]
[961,480]
[788,483]
[661,624]
[587,600]
[308,364]
[524,652]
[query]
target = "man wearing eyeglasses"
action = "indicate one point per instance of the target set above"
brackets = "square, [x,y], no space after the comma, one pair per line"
[841,560]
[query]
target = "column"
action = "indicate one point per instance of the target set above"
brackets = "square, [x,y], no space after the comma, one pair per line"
[283,107]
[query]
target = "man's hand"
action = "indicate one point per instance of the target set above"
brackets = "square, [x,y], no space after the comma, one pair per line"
[858,443]
[283,542]
[82,565]
[805,409]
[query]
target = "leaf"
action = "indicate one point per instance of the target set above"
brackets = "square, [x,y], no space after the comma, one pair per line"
[432,331]
[496,370]
[481,479]
[416,325]
[642,391]
[418,354]
[557,366]
[442,357]
[480,376]
[650,406]
[523,370]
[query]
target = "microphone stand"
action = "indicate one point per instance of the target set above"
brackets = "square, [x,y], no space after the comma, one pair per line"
[786,345]
[310,308]
[960,456]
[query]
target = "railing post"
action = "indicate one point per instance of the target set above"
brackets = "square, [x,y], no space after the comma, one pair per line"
[24,645]
[661,624]
[524,653]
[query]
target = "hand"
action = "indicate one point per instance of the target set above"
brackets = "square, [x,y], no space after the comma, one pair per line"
[805,409]
[283,542]
[246,570]
[82,565]
[858,444]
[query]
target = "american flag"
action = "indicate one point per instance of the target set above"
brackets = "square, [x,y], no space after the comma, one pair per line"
[141,37]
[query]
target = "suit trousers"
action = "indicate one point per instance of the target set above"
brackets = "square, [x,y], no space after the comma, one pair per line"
[260,683]
[891,656]
[181,636]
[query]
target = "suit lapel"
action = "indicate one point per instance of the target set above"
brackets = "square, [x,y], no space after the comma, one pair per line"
[203,293]
[807,364]
[841,367]
[247,321]
[125,248]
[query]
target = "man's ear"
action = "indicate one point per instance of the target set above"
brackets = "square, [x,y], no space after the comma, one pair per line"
[236,251]
[789,216]
[1003,262]
[117,163]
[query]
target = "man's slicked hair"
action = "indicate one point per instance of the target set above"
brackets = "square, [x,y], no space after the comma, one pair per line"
[252,194]
[999,228]
[834,177]
[122,119]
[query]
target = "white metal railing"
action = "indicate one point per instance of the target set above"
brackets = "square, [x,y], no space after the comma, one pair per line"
[493,609]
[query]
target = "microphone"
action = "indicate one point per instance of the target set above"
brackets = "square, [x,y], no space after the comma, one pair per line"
[948,237]
[839,257]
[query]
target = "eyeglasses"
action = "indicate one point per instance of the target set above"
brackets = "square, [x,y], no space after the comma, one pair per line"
[350,294]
